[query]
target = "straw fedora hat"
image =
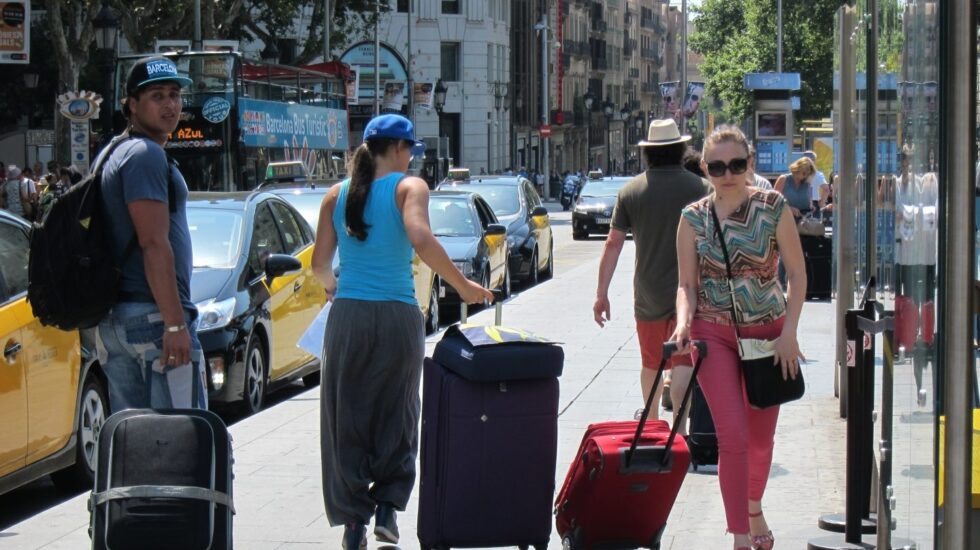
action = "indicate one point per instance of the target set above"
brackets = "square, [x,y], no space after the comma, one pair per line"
[663,132]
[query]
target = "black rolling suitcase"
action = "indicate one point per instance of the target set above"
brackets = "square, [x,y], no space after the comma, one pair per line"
[489,442]
[702,440]
[818,255]
[163,481]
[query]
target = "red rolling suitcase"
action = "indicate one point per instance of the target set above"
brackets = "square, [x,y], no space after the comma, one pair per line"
[625,479]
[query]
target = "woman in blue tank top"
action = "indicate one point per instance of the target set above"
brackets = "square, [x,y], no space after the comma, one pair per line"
[374,341]
[795,187]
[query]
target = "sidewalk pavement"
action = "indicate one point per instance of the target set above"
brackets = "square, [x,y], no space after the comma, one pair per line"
[277,453]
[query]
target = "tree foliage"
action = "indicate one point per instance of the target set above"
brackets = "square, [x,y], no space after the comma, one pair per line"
[71,34]
[739,36]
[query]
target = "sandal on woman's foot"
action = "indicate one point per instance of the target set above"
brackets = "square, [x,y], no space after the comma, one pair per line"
[762,542]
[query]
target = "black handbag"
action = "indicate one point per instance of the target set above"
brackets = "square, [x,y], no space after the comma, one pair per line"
[764,383]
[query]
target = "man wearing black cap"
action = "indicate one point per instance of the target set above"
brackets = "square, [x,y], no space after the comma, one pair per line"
[145,196]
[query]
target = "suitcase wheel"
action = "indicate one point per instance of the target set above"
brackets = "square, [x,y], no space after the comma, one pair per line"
[571,541]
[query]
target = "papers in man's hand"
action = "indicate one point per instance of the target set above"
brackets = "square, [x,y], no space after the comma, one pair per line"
[312,340]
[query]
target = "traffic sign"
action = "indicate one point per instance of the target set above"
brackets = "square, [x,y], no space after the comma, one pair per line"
[546,130]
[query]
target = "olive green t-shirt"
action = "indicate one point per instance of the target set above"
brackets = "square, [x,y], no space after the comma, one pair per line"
[650,207]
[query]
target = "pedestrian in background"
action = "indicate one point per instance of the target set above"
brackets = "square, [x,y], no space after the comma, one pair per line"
[795,186]
[18,193]
[145,196]
[374,339]
[757,227]
[650,207]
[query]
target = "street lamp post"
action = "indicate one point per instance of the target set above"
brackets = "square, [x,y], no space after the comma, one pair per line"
[638,122]
[106,26]
[31,77]
[589,100]
[440,104]
[608,108]
[499,91]
[624,115]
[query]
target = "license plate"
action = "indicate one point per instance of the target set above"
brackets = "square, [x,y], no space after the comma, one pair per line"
[604,221]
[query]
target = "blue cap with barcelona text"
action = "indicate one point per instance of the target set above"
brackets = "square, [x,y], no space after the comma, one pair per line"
[151,70]
[393,127]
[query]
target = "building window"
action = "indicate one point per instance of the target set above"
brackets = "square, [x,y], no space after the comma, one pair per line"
[402,6]
[450,61]
[450,6]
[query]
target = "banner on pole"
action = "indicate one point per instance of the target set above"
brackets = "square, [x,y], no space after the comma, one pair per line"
[695,91]
[15,32]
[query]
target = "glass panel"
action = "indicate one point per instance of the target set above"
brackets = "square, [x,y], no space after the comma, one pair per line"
[13,261]
[914,214]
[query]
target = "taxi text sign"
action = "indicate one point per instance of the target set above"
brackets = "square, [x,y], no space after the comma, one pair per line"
[15,32]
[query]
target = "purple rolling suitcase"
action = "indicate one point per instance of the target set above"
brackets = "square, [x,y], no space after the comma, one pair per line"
[487,461]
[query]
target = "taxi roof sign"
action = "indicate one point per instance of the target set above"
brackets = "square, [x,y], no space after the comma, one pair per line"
[459,174]
[290,170]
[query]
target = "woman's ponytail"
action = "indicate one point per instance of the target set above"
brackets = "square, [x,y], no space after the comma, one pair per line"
[361,169]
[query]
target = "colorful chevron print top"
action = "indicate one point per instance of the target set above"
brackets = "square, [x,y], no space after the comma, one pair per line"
[750,234]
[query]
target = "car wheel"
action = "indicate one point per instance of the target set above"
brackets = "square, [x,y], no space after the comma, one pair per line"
[253,396]
[93,409]
[549,271]
[432,323]
[579,236]
[534,275]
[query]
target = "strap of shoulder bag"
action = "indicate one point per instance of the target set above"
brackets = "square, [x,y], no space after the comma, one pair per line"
[728,267]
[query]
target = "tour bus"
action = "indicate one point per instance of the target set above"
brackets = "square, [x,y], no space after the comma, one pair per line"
[240,115]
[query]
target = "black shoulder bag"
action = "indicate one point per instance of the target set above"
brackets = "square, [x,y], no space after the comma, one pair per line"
[764,383]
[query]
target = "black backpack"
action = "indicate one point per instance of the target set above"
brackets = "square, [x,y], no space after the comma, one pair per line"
[73,275]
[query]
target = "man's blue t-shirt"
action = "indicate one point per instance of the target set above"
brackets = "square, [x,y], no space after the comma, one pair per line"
[139,170]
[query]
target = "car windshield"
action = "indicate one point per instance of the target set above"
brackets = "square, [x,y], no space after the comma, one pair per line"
[503,199]
[216,237]
[308,205]
[451,217]
[602,188]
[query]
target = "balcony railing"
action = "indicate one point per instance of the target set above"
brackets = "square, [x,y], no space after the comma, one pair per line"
[649,87]
[599,25]
[599,64]
[634,72]
[648,23]
[648,53]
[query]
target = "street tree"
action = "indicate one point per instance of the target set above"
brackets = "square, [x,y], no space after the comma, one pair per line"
[142,22]
[739,36]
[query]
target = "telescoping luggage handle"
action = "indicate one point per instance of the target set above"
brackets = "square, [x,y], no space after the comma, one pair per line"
[498,309]
[668,351]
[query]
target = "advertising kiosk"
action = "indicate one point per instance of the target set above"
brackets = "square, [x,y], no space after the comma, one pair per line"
[773,120]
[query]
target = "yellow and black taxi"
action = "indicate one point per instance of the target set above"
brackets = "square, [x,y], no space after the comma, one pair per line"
[429,289]
[255,291]
[53,400]
[467,228]
[518,208]
[594,208]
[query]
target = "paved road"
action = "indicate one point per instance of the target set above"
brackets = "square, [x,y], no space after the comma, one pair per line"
[278,493]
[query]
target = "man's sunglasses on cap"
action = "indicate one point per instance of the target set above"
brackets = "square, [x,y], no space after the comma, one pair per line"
[737,167]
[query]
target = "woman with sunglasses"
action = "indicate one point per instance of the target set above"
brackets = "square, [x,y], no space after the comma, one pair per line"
[374,340]
[758,228]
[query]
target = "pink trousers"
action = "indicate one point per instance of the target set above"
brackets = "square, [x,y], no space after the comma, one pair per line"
[745,434]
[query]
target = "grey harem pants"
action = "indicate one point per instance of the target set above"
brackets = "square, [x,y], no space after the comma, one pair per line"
[369,407]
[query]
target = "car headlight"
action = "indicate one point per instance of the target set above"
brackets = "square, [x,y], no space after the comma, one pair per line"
[465,266]
[215,314]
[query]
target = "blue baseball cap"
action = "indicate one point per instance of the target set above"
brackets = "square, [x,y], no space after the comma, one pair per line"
[151,70]
[393,127]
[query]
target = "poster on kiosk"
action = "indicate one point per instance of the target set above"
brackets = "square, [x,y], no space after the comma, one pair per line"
[773,105]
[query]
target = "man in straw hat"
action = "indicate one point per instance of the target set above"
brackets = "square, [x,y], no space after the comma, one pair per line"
[649,207]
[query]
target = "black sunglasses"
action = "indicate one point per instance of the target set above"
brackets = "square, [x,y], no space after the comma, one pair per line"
[737,167]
